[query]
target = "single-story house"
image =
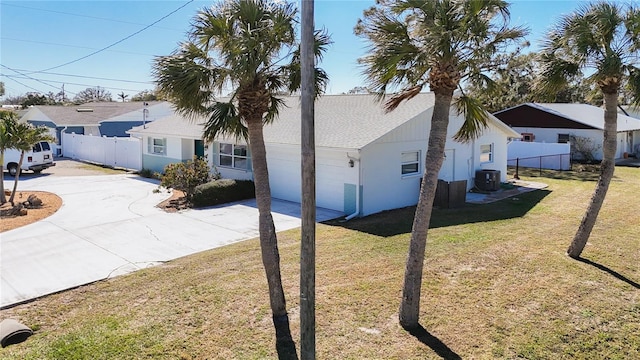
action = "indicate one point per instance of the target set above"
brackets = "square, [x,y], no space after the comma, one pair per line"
[97,119]
[169,140]
[557,123]
[634,112]
[367,160]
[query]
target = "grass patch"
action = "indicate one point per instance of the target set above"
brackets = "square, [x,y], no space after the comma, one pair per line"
[497,284]
[101,168]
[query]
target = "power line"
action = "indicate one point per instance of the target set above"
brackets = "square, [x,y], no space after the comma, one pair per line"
[92,77]
[119,41]
[25,85]
[81,15]
[26,76]
[70,83]
[72,46]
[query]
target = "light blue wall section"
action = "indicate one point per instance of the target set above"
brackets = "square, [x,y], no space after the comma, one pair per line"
[117,128]
[157,163]
[350,199]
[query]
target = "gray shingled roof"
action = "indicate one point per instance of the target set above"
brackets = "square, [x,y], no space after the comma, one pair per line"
[174,125]
[70,116]
[341,121]
[345,121]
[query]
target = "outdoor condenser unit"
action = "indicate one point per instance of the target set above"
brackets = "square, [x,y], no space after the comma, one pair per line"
[488,180]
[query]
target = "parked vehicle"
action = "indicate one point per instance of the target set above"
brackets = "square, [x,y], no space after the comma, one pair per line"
[36,160]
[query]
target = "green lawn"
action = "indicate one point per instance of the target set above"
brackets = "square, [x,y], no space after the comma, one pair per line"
[497,284]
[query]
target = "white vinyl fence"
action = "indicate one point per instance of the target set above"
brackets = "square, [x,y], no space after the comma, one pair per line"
[121,152]
[539,155]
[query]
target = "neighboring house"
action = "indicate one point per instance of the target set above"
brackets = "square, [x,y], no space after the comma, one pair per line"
[169,140]
[97,119]
[558,123]
[634,112]
[367,160]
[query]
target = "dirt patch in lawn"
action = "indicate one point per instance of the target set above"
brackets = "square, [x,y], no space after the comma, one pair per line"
[175,203]
[50,204]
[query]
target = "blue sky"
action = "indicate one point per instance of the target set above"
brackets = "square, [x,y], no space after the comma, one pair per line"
[41,35]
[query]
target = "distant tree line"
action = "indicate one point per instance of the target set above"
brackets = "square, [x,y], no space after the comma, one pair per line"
[512,81]
[91,94]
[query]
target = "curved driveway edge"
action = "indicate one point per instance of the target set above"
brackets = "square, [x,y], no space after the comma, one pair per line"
[108,225]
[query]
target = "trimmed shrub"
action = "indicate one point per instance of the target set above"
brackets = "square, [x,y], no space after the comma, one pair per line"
[186,176]
[222,191]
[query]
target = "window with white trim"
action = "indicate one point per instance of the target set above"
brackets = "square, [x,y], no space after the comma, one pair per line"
[564,138]
[410,163]
[486,153]
[157,146]
[233,156]
[528,137]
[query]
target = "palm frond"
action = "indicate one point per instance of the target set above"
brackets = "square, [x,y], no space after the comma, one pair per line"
[601,37]
[397,99]
[409,40]
[242,44]
[223,120]
[292,71]
[633,85]
[555,73]
[485,82]
[632,25]
[187,79]
[275,104]
[476,119]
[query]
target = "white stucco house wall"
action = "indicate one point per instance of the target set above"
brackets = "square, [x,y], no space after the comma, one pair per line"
[367,160]
[555,123]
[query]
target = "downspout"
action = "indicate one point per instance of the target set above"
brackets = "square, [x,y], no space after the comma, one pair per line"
[63,131]
[357,212]
[472,167]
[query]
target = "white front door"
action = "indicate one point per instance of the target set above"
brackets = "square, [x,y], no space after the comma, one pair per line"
[447,172]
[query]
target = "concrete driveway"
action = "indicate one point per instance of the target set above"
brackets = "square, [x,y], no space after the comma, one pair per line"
[108,225]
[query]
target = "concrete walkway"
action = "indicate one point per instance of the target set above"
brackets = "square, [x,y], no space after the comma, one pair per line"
[630,162]
[520,187]
[108,225]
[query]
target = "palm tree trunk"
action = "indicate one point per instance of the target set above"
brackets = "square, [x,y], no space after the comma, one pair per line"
[606,174]
[268,240]
[15,180]
[410,305]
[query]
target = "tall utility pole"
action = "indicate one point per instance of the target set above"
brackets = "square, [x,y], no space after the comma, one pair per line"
[308,235]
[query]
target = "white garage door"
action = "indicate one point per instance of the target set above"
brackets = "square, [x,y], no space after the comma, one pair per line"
[285,177]
[330,186]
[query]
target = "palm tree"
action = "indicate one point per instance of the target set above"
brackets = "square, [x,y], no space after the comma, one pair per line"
[602,39]
[251,47]
[123,96]
[438,43]
[26,136]
[8,123]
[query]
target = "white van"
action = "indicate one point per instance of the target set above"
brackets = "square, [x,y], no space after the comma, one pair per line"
[36,160]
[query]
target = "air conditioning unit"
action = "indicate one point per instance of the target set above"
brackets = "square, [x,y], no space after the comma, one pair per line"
[488,180]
